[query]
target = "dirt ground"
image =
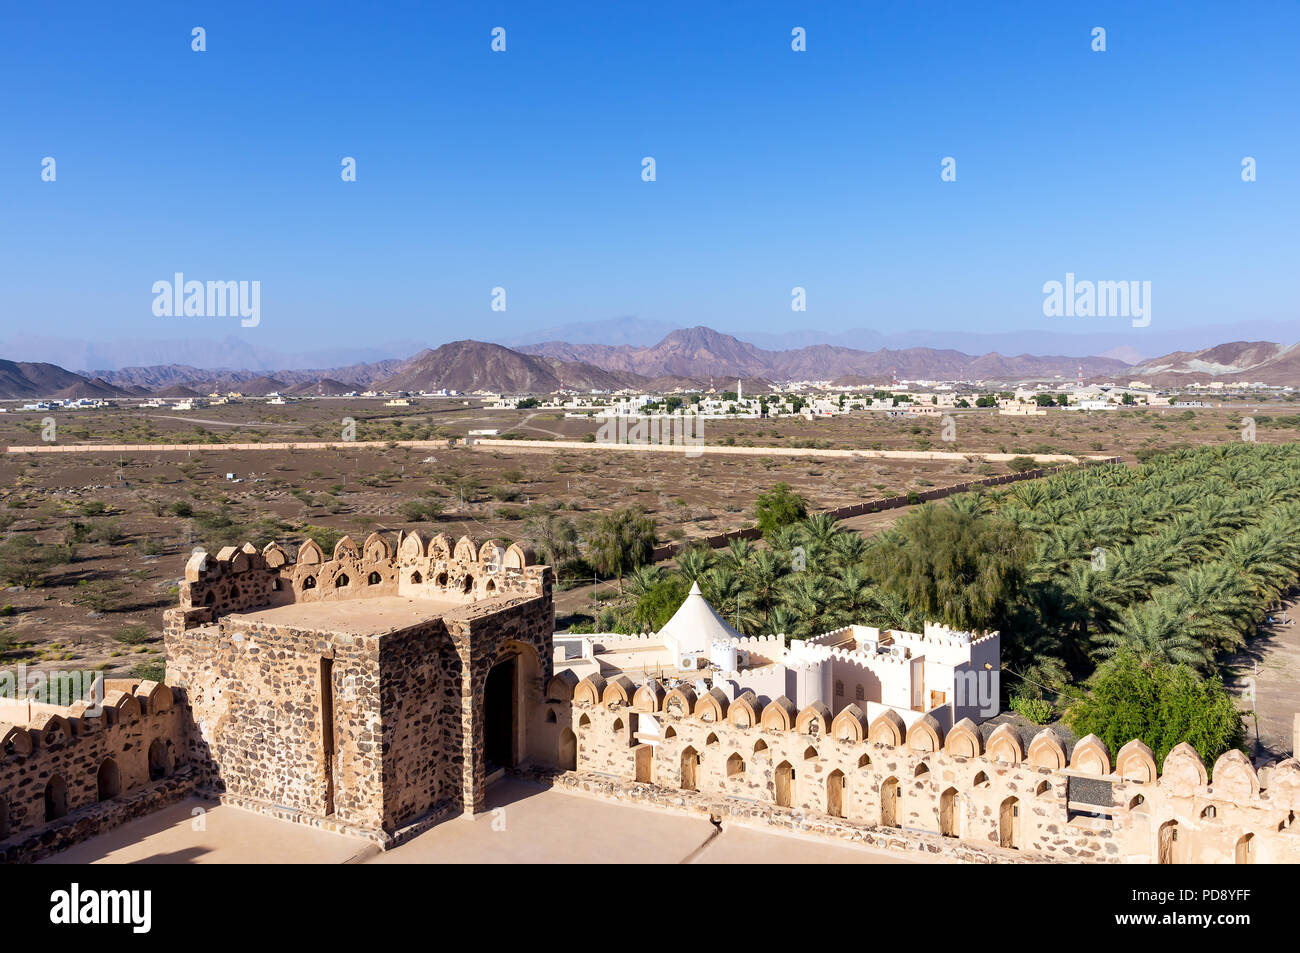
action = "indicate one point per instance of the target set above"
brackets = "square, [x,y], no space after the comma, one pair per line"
[1124,431]
[130,521]
[1266,679]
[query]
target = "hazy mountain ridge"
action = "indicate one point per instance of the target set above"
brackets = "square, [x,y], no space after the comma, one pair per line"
[358,376]
[704,352]
[227,354]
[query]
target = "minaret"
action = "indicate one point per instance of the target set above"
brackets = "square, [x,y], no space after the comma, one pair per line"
[740,394]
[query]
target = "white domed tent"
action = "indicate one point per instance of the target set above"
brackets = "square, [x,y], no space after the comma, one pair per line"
[694,631]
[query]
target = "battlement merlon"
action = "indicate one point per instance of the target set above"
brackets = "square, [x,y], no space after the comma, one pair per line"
[242,578]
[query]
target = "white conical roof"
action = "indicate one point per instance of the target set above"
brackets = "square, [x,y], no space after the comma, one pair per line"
[695,626]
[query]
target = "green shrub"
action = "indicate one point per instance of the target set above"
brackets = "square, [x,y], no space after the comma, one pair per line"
[421,511]
[1160,704]
[779,506]
[150,672]
[134,635]
[1037,710]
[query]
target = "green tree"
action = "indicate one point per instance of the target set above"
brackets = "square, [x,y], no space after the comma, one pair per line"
[656,605]
[24,562]
[954,567]
[620,541]
[1160,704]
[779,506]
[554,538]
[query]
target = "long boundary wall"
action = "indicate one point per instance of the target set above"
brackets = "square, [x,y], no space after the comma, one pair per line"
[881,781]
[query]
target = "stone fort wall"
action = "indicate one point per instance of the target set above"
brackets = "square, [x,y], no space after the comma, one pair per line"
[970,793]
[367,732]
[69,772]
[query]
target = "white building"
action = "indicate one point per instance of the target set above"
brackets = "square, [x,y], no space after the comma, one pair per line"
[940,672]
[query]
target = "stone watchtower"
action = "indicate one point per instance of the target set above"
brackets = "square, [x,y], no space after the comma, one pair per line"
[372,691]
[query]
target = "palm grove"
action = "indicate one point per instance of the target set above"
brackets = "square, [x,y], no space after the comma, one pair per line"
[1117,589]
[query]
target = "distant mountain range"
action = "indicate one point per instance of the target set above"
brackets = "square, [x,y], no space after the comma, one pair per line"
[237,353]
[1244,361]
[703,352]
[685,357]
[1072,339]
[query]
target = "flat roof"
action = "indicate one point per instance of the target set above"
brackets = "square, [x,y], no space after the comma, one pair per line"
[377,615]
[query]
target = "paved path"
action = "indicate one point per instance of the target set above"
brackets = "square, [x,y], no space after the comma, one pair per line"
[701,449]
[533,446]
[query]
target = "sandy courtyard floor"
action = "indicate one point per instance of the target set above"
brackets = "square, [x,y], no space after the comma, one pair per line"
[523,824]
[218,835]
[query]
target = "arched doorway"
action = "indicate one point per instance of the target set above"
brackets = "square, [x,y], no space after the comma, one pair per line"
[1009,824]
[56,798]
[160,762]
[889,803]
[109,780]
[567,755]
[690,762]
[1167,843]
[499,716]
[835,792]
[950,813]
[511,713]
[1245,852]
[784,783]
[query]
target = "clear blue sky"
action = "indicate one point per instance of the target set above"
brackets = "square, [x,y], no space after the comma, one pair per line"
[522,169]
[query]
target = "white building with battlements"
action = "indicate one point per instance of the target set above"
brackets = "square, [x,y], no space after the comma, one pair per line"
[946,674]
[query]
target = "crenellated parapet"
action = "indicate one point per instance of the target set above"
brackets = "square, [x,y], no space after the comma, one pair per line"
[241,578]
[61,760]
[996,787]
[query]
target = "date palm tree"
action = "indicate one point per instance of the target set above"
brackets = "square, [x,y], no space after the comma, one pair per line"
[1153,635]
[694,563]
[762,574]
